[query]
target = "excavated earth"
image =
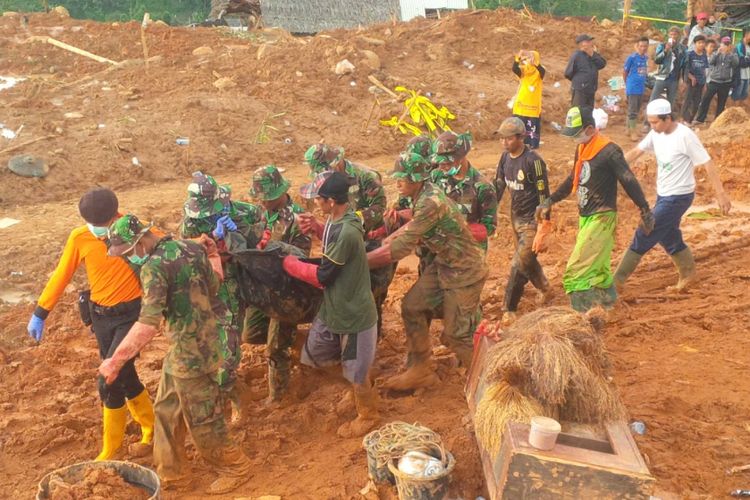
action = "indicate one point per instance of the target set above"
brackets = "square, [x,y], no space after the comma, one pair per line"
[678,359]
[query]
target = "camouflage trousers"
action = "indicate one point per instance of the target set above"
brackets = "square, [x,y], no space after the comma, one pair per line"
[380,281]
[229,323]
[280,339]
[524,267]
[459,309]
[194,405]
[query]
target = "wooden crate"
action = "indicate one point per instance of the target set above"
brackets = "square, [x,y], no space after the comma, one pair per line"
[578,467]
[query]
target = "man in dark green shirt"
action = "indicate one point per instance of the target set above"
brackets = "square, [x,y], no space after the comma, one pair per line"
[345,329]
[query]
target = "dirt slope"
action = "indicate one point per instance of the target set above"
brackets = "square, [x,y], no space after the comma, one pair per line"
[678,359]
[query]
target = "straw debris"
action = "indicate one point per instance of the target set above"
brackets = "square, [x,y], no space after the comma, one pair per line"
[552,362]
[500,404]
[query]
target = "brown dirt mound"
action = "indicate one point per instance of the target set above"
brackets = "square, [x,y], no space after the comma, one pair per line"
[96,484]
[462,61]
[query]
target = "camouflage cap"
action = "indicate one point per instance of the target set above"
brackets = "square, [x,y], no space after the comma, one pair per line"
[421,145]
[320,157]
[205,197]
[450,147]
[268,183]
[412,167]
[124,234]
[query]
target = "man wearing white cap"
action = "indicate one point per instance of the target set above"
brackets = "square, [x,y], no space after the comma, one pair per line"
[678,152]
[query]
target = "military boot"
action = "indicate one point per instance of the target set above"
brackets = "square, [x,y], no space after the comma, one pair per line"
[627,265]
[685,264]
[418,375]
[366,400]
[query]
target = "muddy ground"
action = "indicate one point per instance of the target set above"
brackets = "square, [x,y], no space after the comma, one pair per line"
[679,359]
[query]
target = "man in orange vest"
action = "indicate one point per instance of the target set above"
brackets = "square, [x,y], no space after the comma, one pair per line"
[598,166]
[115,303]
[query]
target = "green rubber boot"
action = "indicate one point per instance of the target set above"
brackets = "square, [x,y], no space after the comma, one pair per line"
[627,265]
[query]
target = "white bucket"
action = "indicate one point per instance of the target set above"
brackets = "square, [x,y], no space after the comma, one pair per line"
[544,431]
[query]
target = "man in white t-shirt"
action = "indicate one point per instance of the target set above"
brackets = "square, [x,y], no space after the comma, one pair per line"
[678,152]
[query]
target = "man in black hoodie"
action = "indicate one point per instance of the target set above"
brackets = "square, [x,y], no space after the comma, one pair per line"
[583,72]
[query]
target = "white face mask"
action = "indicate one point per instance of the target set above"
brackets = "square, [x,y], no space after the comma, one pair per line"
[98,231]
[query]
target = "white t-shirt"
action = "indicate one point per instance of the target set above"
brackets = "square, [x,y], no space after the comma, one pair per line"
[677,155]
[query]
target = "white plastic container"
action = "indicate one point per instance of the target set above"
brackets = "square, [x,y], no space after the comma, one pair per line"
[544,431]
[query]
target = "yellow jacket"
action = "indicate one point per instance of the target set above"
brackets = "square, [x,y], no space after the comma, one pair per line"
[528,100]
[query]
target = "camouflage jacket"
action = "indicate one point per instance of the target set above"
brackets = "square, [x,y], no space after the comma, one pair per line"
[283,226]
[367,196]
[247,217]
[475,195]
[178,285]
[440,226]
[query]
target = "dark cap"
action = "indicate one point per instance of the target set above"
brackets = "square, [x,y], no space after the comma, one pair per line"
[578,118]
[584,38]
[336,187]
[98,206]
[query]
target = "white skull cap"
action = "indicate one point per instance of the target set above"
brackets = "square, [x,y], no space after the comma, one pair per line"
[658,107]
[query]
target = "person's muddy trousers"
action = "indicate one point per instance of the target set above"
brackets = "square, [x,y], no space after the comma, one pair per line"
[194,405]
[458,308]
[280,340]
[111,325]
[524,267]
[380,281]
[230,318]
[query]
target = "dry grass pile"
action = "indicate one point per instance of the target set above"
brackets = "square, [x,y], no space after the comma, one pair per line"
[551,362]
[500,404]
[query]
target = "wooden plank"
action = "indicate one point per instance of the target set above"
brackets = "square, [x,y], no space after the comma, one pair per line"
[80,52]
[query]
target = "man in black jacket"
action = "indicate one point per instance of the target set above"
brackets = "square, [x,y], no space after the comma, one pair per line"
[583,72]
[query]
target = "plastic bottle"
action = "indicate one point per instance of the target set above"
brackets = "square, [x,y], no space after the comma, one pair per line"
[638,427]
[182,141]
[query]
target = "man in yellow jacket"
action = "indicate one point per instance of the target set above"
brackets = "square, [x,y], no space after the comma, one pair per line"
[528,102]
[115,303]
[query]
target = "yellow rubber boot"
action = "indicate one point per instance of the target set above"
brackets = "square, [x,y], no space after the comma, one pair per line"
[143,413]
[113,421]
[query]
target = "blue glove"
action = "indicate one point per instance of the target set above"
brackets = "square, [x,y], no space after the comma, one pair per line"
[228,223]
[36,327]
[223,225]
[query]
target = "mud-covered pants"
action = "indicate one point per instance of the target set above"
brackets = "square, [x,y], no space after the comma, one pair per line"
[193,404]
[458,308]
[524,267]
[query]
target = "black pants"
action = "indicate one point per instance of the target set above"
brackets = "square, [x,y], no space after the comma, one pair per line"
[533,130]
[524,267]
[111,325]
[692,101]
[582,99]
[713,88]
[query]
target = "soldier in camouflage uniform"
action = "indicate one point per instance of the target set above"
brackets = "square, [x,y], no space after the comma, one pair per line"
[474,194]
[280,224]
[367,199]
[178,286]
[450,286]
[233,225]
[404,209]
